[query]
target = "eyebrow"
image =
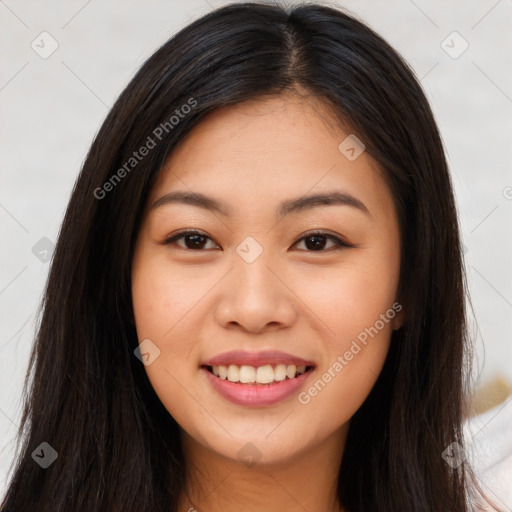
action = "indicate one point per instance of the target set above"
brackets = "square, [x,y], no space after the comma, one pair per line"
[335,198]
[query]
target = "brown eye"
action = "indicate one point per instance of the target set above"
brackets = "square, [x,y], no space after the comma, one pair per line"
[316,242]
[193,240]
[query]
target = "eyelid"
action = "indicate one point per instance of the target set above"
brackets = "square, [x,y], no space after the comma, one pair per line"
[183,232]
[339,239]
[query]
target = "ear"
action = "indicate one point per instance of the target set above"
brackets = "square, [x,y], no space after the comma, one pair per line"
[399,318]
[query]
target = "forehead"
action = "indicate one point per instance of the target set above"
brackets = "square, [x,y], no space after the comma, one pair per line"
[266,149]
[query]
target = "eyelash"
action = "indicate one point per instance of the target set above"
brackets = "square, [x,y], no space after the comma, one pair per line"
[339,243]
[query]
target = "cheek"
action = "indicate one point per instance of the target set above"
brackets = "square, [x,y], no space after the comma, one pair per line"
[163,296]
[350,298]
[357,305]
[160,300]
[360,319]
[336,393]
[167,303]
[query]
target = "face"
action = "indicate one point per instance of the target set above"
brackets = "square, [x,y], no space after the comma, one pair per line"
[240,274]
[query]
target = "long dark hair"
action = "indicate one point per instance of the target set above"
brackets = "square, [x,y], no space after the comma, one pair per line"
[89,397]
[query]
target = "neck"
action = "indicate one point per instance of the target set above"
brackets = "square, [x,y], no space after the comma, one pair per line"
[308,482]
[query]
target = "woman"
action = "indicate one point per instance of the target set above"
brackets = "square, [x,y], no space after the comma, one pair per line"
[257,297]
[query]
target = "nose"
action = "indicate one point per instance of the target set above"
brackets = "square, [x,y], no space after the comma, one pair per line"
[256,298]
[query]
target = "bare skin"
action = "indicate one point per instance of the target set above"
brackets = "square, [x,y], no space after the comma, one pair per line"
[308,298]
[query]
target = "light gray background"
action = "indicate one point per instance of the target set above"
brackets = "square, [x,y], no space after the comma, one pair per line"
[51,109]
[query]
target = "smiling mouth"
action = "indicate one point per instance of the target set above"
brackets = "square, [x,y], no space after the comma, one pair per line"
[265,375]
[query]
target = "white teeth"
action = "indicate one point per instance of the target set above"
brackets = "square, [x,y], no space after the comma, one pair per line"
[223,371]
[233,373]
[247,374]
[265,374]
[291,370]
[280,372]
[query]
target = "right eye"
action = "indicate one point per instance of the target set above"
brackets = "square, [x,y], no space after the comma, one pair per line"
[193,240]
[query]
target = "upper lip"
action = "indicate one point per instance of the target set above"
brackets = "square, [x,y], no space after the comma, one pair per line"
[244,357]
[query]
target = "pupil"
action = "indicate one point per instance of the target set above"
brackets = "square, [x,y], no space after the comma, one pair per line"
[316,244]
[197,240]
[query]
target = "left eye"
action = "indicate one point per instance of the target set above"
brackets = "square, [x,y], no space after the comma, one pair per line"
[314,242]
[317,241]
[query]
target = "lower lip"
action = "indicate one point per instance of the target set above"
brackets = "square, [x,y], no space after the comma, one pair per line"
[256,395]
